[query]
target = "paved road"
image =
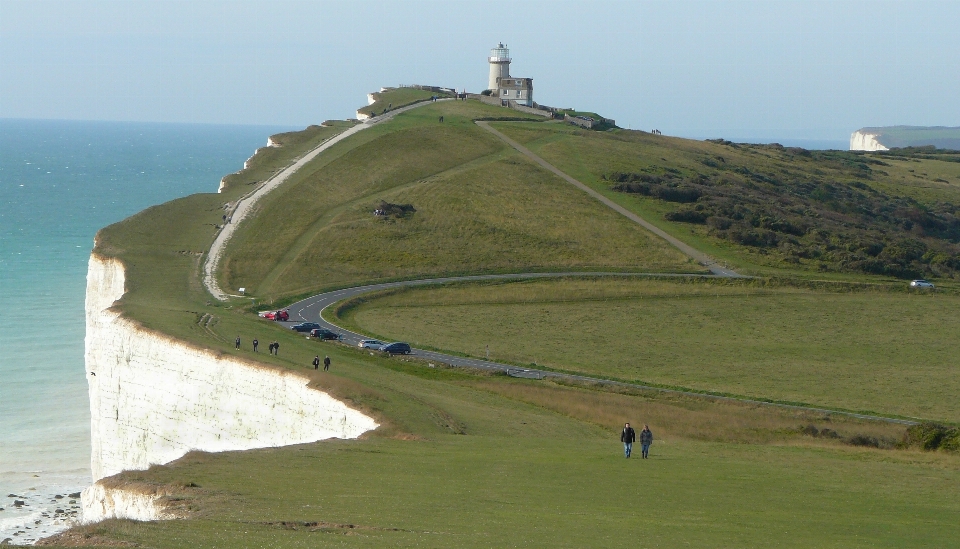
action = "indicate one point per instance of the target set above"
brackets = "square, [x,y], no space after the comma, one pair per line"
[696,255]
[245,205]
[310,310]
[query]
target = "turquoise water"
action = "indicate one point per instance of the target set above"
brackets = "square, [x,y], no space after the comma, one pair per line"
[59,183]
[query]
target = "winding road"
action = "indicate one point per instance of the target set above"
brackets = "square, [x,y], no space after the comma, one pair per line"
[311,309]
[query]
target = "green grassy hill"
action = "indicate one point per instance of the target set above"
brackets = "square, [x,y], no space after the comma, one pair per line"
[467,459]
[774,209]
[479,206]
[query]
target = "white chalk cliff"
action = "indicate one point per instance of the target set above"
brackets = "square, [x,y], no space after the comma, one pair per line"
[154,398]
[863,141]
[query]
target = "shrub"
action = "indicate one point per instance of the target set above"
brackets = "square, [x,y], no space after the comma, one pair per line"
[686,216]
[932,436]
[396,210]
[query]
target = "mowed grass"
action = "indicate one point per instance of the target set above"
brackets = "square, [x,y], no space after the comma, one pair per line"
[488,461]
[481,207]
[587,155]
[886,352]
[551,490]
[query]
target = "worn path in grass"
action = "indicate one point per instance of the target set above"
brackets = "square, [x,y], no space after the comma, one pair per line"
[245,205]
[311,309]
[701,257]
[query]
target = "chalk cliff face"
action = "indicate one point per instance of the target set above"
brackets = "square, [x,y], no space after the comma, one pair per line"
[153,399]
[862,141]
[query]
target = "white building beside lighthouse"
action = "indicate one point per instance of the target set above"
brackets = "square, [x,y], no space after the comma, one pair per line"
[503,86]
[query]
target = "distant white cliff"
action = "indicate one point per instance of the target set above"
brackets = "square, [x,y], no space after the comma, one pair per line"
[863,141]
[154,398]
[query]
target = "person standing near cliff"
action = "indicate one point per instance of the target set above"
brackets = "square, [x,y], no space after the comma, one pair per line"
[238,342]
[316,362]
[326,363]
[255,343]
[628,436]
[276,348]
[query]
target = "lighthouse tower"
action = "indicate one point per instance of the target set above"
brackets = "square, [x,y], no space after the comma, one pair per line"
[499,65]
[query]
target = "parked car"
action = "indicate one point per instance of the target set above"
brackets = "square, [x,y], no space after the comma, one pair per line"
[283,315]
[325,334]
[305,326]
[921,284]
[396,348]
[371,344]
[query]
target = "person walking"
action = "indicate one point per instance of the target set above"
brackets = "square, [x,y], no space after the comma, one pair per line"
[646,439]
[272,343]
[628,437]
[255,343]
[276,348]
[238,342]
[326,363]
[316,362]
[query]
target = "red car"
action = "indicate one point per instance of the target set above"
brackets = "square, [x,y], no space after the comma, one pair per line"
[283,315]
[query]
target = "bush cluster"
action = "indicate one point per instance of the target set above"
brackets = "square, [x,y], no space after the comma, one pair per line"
[837,225]
[854,440]
[932,436]
[396,211]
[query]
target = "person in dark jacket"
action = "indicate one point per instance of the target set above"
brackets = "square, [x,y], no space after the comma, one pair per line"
[237,342]
[646,439]
[326,363]
[255,343]
[316,362]
[628,437]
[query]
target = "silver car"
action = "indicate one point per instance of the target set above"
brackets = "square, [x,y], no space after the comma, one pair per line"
[921,284]
[370,344]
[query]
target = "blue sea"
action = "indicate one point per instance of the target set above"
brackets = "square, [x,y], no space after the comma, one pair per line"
[61,181]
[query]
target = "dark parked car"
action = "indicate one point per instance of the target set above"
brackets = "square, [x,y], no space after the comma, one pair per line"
[325,334]
[396,348]
[305,326]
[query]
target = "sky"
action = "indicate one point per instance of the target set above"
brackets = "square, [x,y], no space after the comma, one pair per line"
[748,69]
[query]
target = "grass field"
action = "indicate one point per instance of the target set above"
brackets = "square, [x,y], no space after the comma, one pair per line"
[488,461]
[882,351]
[480,207]
[465,459]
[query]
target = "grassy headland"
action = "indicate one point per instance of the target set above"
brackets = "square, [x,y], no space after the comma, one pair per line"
[480,207]
[471,460]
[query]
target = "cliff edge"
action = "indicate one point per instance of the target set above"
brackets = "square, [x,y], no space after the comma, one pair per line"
[154,398]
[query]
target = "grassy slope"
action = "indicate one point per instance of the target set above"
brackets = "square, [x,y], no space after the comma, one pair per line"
[588,155]
[480,207]
[886,352]
[467,460]
[396,98]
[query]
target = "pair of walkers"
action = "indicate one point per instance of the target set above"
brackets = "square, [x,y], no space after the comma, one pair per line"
[326,363]
[628,436]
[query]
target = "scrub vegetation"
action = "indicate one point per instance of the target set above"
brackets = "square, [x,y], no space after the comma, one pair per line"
[768,208]
[469,459]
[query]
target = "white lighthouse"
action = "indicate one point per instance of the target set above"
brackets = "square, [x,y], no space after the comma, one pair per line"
[508,89]
[499,65]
